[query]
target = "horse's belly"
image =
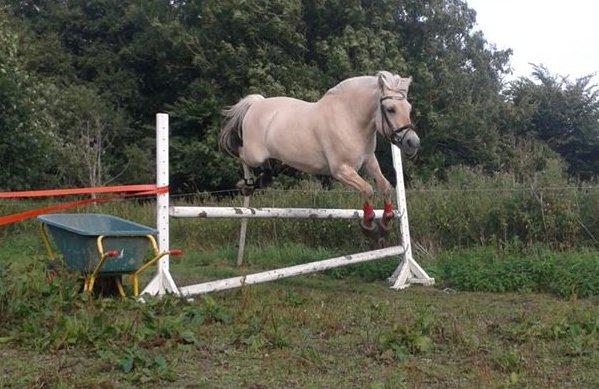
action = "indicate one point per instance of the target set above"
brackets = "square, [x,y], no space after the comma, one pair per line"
[308,162]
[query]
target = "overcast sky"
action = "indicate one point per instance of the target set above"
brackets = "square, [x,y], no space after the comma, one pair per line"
[563,35]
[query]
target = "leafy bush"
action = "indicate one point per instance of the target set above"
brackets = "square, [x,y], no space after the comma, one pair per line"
[529,270]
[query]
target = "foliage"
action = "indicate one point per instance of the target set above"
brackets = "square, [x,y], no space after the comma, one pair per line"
[467,210]
[25,127]
[373,334]
[532,270]
[408,338]
[87,134]
[562,113]
[121,62]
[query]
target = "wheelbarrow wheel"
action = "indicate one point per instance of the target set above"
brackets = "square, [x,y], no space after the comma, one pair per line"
[53,269]
[107,286]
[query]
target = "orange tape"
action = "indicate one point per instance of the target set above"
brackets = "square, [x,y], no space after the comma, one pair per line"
[76,191]
[146,190]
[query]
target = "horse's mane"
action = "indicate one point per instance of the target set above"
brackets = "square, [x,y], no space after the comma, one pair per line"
[392,81]
[349,83]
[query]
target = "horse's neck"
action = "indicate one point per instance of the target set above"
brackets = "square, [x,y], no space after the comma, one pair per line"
[360,95]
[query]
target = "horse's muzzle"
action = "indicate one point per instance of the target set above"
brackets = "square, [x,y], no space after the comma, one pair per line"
[406,138]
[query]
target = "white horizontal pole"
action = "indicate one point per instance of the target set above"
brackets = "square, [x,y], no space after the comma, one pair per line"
[280,213]
[271,275]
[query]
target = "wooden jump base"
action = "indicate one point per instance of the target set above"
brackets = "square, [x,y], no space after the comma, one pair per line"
[407,272]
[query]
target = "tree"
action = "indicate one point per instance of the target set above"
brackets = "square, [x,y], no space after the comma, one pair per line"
[562,113]
[86,129]
[281,48]
[25,127]
[193,58]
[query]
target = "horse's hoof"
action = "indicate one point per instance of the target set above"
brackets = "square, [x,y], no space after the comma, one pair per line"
[371,232]
[244,188]
[384,225]
[247,191]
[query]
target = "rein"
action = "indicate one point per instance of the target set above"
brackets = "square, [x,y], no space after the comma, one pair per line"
[395,138]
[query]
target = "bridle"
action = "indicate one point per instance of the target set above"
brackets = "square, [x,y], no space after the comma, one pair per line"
[395,138]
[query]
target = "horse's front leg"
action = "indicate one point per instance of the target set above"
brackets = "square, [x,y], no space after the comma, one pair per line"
[349,176]
[384,187]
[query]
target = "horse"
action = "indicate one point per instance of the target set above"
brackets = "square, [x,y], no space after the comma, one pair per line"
[335,136]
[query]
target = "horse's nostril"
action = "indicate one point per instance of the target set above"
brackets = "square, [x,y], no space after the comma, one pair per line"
[413,143]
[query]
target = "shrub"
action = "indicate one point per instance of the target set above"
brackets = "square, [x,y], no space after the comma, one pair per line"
[511,270]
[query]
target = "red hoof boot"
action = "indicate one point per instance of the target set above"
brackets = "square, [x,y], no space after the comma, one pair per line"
[388,215]
[369,227]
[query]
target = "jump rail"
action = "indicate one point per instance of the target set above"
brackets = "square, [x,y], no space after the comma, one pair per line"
[270,213]
[272,275]
[407,272]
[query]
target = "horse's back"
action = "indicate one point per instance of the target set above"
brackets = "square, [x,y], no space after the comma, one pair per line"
[280,106]
[274,113]
[283,128]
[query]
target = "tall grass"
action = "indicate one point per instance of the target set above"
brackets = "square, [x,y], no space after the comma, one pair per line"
[468,209]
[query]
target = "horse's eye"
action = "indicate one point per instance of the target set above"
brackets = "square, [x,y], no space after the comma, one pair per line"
[391,110]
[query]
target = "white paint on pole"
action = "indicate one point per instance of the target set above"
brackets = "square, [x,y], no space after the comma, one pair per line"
[162,179]
[402,206]
[270,213]
[243,233]
[247,175]
[272,275]
[163,281]
[408,271]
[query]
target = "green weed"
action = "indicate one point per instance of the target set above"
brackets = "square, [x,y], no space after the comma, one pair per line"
[533,270]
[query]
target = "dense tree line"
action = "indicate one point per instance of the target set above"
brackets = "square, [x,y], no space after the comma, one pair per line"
[81,80]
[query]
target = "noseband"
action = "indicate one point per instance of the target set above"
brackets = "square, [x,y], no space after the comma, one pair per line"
[395,138]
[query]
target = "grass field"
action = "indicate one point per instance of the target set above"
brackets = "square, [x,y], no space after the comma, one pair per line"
[341,328]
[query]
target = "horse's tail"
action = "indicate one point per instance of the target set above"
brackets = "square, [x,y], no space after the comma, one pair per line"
[230,138]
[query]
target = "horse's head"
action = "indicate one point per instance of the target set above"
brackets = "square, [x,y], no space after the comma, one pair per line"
[395,123]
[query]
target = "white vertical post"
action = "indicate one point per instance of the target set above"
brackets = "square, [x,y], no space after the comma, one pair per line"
[162,281]
[408,270]
[244,222]
[162,180]
[402,206]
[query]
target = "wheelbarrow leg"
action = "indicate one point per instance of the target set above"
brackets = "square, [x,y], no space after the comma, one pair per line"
[157,256]
[46,240]
[90,279]
[119,286]
[135,283]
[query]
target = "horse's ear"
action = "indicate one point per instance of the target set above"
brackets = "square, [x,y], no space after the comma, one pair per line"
[404,83]
[383,81]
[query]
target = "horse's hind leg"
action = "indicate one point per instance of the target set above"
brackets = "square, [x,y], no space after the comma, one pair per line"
[247,184]
[254,157]
[265,174]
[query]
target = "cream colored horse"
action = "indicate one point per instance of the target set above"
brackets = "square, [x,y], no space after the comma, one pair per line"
[334,136]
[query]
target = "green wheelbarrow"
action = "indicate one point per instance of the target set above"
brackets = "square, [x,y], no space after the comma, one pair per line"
[102,246]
